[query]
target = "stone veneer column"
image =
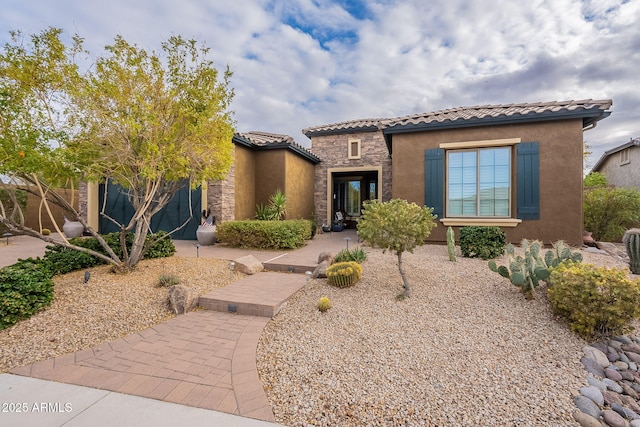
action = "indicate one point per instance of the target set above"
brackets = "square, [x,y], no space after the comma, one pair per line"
[221,197]
[83,198]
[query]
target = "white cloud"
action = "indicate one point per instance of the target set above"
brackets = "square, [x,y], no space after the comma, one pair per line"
[300,63]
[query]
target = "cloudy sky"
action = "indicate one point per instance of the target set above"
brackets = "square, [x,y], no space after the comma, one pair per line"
[301,63]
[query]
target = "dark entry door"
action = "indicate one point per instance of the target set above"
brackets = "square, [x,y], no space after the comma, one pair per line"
[171,216]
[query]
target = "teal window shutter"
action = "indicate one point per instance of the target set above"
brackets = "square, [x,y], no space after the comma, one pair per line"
[434,180]
[528,175]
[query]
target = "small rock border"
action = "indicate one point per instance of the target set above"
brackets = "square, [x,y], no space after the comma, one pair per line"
[612,396]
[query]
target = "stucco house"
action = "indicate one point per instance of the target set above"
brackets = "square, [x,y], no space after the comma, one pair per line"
[621,165]
[263,163]
[517,166]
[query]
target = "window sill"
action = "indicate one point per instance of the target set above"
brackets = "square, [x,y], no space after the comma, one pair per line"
[463,222]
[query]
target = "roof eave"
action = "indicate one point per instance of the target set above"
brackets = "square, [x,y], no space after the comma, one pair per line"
[309,134]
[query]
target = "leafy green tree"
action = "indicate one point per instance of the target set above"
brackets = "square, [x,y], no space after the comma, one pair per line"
[144,120]
[608,212]
[397,226]
[595,179]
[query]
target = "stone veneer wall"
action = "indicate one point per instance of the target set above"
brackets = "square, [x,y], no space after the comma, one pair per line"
[333,150]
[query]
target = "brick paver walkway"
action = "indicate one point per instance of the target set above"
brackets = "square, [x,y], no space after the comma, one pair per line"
[204,359]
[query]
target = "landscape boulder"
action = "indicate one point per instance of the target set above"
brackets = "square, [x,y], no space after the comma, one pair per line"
[182,299]
[248,264]
[321,271]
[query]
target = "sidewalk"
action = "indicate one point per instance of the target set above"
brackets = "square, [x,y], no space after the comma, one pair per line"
[199,366]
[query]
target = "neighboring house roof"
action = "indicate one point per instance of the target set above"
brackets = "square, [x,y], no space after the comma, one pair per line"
[269,141]
[590,111]
[600,163]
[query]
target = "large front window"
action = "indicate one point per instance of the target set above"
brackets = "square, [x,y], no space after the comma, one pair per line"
[479,182]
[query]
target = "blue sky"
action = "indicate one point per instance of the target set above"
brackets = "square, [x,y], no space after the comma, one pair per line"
[301,63]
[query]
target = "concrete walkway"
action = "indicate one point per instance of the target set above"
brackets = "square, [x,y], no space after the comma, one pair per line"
[204,360]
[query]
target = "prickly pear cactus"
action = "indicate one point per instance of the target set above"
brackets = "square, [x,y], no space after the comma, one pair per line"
[528,270]
[631,240]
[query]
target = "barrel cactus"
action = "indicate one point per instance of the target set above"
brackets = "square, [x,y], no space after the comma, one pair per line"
[324,304]
[344,274]
[631,240]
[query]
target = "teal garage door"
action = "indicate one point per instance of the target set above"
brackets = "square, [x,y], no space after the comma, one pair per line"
[171,216]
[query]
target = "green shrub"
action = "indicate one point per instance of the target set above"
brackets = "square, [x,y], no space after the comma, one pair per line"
[608,212]
[163,248]
[594,300]
[289,234]
[358,255]
[324,304]
[25,288]
[60,260]
[166,280]
[344,274]
[595,179]
[482,242]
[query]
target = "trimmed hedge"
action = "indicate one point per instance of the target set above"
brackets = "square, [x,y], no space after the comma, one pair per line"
[289,234]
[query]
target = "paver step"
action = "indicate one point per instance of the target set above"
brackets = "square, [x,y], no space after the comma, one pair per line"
[261,294]
[288,268]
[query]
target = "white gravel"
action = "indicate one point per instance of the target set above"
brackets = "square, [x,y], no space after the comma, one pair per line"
[465,349]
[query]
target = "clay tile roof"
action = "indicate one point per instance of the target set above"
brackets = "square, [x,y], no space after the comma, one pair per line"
[589,110]
[362,125]
[505,112]
[265,140]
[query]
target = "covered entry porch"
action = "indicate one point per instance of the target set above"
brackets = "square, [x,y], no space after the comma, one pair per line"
[347,189]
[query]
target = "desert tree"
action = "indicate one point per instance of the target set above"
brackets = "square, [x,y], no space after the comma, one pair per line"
[144,120]
[396,226]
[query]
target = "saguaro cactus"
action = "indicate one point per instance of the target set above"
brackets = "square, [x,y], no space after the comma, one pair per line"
[631,240]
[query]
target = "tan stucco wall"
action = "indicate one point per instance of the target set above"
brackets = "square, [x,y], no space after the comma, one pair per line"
[245,183]
[299,186]
[270,174]
[561,158]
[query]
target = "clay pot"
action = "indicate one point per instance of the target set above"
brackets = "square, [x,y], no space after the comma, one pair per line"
[206,235]
[72,229]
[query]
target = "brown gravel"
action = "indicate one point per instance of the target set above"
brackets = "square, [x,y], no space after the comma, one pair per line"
[108,307]
[467,349]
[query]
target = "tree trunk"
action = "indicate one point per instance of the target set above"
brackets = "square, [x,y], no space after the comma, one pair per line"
[137,248]
[407,289]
